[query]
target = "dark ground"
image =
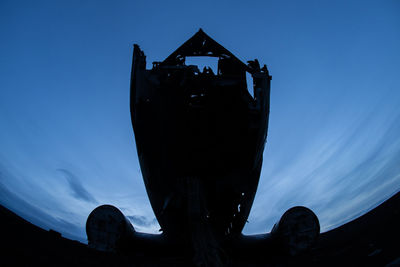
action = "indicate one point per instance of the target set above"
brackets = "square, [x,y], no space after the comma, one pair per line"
[370,240]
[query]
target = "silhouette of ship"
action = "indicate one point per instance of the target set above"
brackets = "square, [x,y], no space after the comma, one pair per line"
[200,138]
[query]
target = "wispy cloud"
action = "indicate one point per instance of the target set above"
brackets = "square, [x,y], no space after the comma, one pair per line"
[142,221]
[78,190]
[144,224]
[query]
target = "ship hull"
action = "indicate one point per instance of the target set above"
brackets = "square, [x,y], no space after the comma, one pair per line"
[200,138]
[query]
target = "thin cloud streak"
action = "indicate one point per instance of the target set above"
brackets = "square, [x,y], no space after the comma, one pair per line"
[77,188]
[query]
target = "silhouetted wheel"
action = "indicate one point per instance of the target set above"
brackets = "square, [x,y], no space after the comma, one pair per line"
[297,230]
[107,227]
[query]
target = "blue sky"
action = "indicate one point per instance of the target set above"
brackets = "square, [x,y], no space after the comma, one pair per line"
[66,141]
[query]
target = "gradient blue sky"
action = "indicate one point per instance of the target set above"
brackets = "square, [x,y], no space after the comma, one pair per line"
[66,142]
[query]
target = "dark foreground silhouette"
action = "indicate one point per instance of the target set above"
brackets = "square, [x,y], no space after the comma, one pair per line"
[200,138]
[370,240]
